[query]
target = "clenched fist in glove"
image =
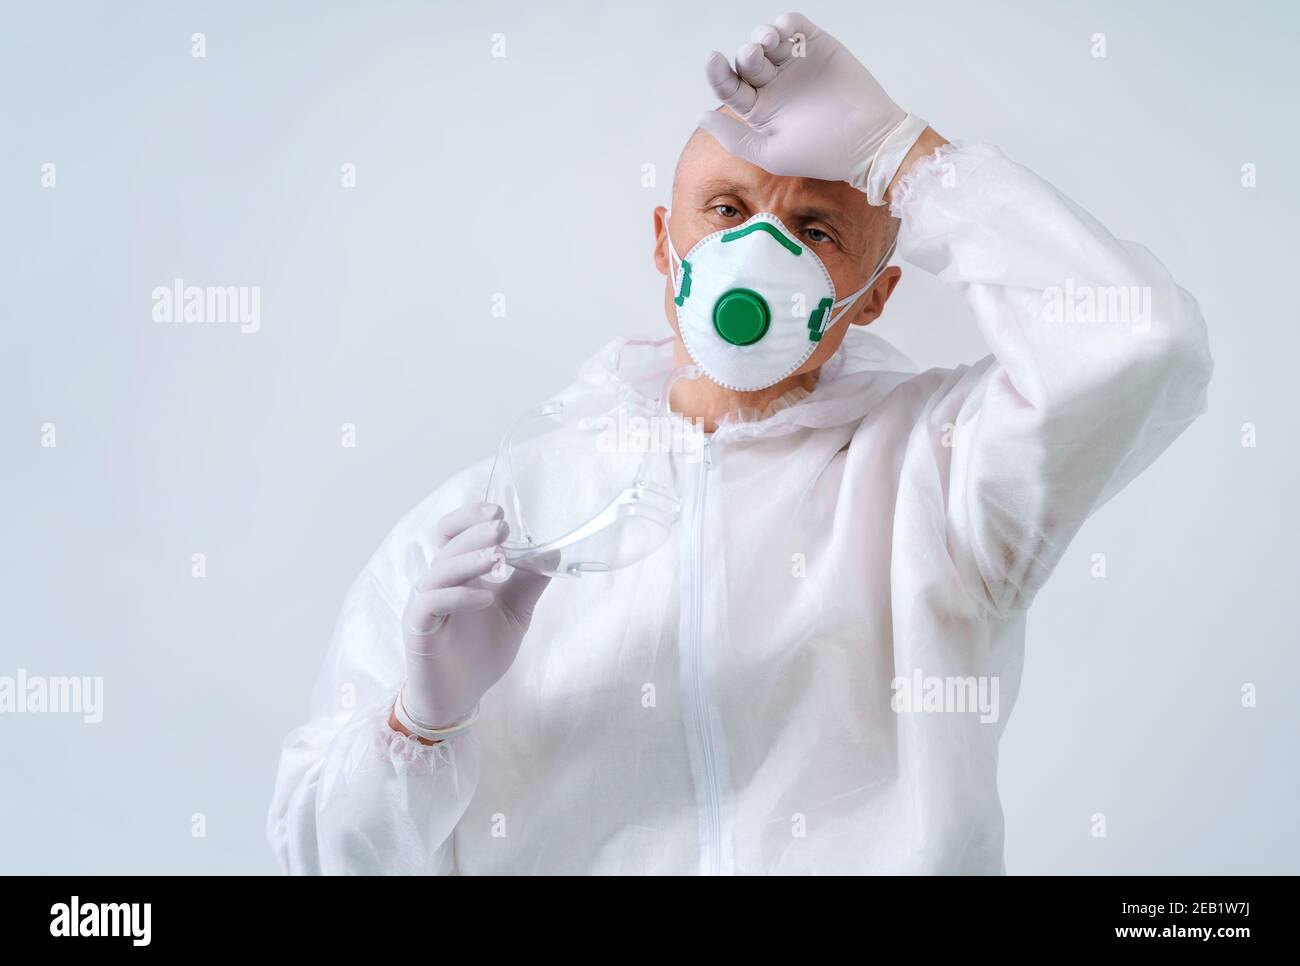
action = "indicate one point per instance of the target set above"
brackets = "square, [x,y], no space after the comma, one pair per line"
[810,109]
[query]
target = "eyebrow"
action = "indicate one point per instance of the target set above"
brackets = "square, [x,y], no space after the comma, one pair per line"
[717,186]
[813,213]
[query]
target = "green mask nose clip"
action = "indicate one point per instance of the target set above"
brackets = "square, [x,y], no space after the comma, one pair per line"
[741,317]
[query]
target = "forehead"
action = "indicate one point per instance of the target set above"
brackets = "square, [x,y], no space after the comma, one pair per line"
[706,170]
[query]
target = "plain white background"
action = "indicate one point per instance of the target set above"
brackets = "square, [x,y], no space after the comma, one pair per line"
[523,175]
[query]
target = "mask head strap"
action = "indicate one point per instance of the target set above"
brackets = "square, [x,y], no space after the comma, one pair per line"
[819,323]
[673,261]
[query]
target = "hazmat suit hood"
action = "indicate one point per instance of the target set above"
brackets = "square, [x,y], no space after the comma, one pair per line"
[864,370]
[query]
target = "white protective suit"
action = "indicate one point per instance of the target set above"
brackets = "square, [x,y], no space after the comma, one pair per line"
[725,704]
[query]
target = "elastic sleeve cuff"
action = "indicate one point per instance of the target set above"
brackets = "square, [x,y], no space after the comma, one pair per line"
[891,154]
[922,177]
[408,754]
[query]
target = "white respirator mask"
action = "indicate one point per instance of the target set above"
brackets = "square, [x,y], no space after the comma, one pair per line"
[753,302]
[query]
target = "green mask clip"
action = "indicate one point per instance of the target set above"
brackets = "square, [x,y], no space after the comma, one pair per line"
[686,283]
[815,320]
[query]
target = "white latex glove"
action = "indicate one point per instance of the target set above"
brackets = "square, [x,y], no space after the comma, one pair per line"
[820,115]
[462,632]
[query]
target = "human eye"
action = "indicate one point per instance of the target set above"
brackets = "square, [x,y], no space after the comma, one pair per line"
[726,211]
[817,236]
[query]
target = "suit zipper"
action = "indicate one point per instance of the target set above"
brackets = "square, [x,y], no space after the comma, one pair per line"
[711,831]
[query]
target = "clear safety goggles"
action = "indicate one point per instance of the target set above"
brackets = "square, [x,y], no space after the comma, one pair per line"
[589,487]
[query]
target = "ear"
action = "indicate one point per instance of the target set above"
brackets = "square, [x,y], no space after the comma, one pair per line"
[661,240]
[873,302]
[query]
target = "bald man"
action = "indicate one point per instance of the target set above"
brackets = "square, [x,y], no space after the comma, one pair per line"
[811,674]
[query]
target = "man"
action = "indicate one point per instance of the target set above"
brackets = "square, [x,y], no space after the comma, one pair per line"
[813,673]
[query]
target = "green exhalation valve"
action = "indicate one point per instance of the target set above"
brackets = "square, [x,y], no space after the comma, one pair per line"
[741,316]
